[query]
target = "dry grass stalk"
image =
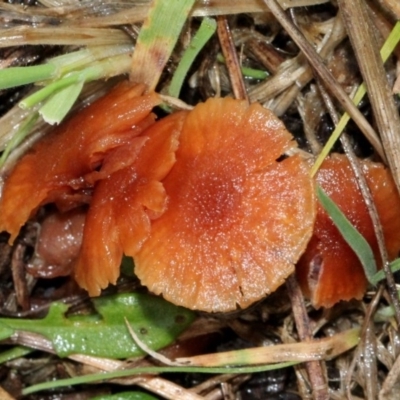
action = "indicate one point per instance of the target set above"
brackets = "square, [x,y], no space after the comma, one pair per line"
[231,58]
[315,60]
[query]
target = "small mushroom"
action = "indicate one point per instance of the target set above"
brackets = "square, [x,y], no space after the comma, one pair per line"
[239,215]
[329,271]
[58,244]
[54,169]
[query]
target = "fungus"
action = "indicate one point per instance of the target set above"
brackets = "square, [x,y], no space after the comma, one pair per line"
[238,216]
[329,271]
[118,220]
[58,244]
[54,169]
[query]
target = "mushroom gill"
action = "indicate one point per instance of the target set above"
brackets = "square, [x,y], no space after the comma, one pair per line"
[54,169]
[123,204]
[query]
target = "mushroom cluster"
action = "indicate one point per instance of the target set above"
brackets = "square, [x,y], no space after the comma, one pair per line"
[212,204]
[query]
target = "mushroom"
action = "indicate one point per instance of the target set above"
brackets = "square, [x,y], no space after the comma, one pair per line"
[239,214]
[329,271]
[123,204]
[58,244]
[54,169]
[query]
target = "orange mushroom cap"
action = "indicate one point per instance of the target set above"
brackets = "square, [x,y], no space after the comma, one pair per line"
[237,219]
[329,271]
[118,220]
[54,168]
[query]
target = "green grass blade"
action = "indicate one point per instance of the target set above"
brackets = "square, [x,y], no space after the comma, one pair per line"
[49,90]
[380,275]
[157,38]
[150,370]
[207,29]
[102,69]
[246,71]
[18,76]
[59,104]
[353,238]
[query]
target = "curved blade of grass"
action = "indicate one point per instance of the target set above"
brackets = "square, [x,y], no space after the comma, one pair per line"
[18,76]
[59,104]
[101,69]
[206,30]
[82,58]
[353,238]
[149,370]
[58,66]
[390,44]
[380,275]
[72,78]
[157,38]
[246,71]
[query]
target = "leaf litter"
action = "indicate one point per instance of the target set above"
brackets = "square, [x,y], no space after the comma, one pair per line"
[256,40]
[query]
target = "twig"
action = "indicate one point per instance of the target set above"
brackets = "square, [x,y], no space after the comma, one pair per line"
[157,356]
[314,368]
[231,59]
[315,60]
[391,384]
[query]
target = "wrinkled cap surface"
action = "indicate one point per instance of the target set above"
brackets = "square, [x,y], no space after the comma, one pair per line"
[237,220]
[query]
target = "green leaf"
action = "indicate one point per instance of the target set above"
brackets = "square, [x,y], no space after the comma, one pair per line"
[156,322]
[246,71]
[380,275]
[202,36]
[157,38]
[121,373]
[353,238]
[18,76]
[70,79]
[58,105]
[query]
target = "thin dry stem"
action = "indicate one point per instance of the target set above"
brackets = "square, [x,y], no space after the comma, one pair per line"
[317,63]
[231,58]
[314,368]
[362,347]
[391,385]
